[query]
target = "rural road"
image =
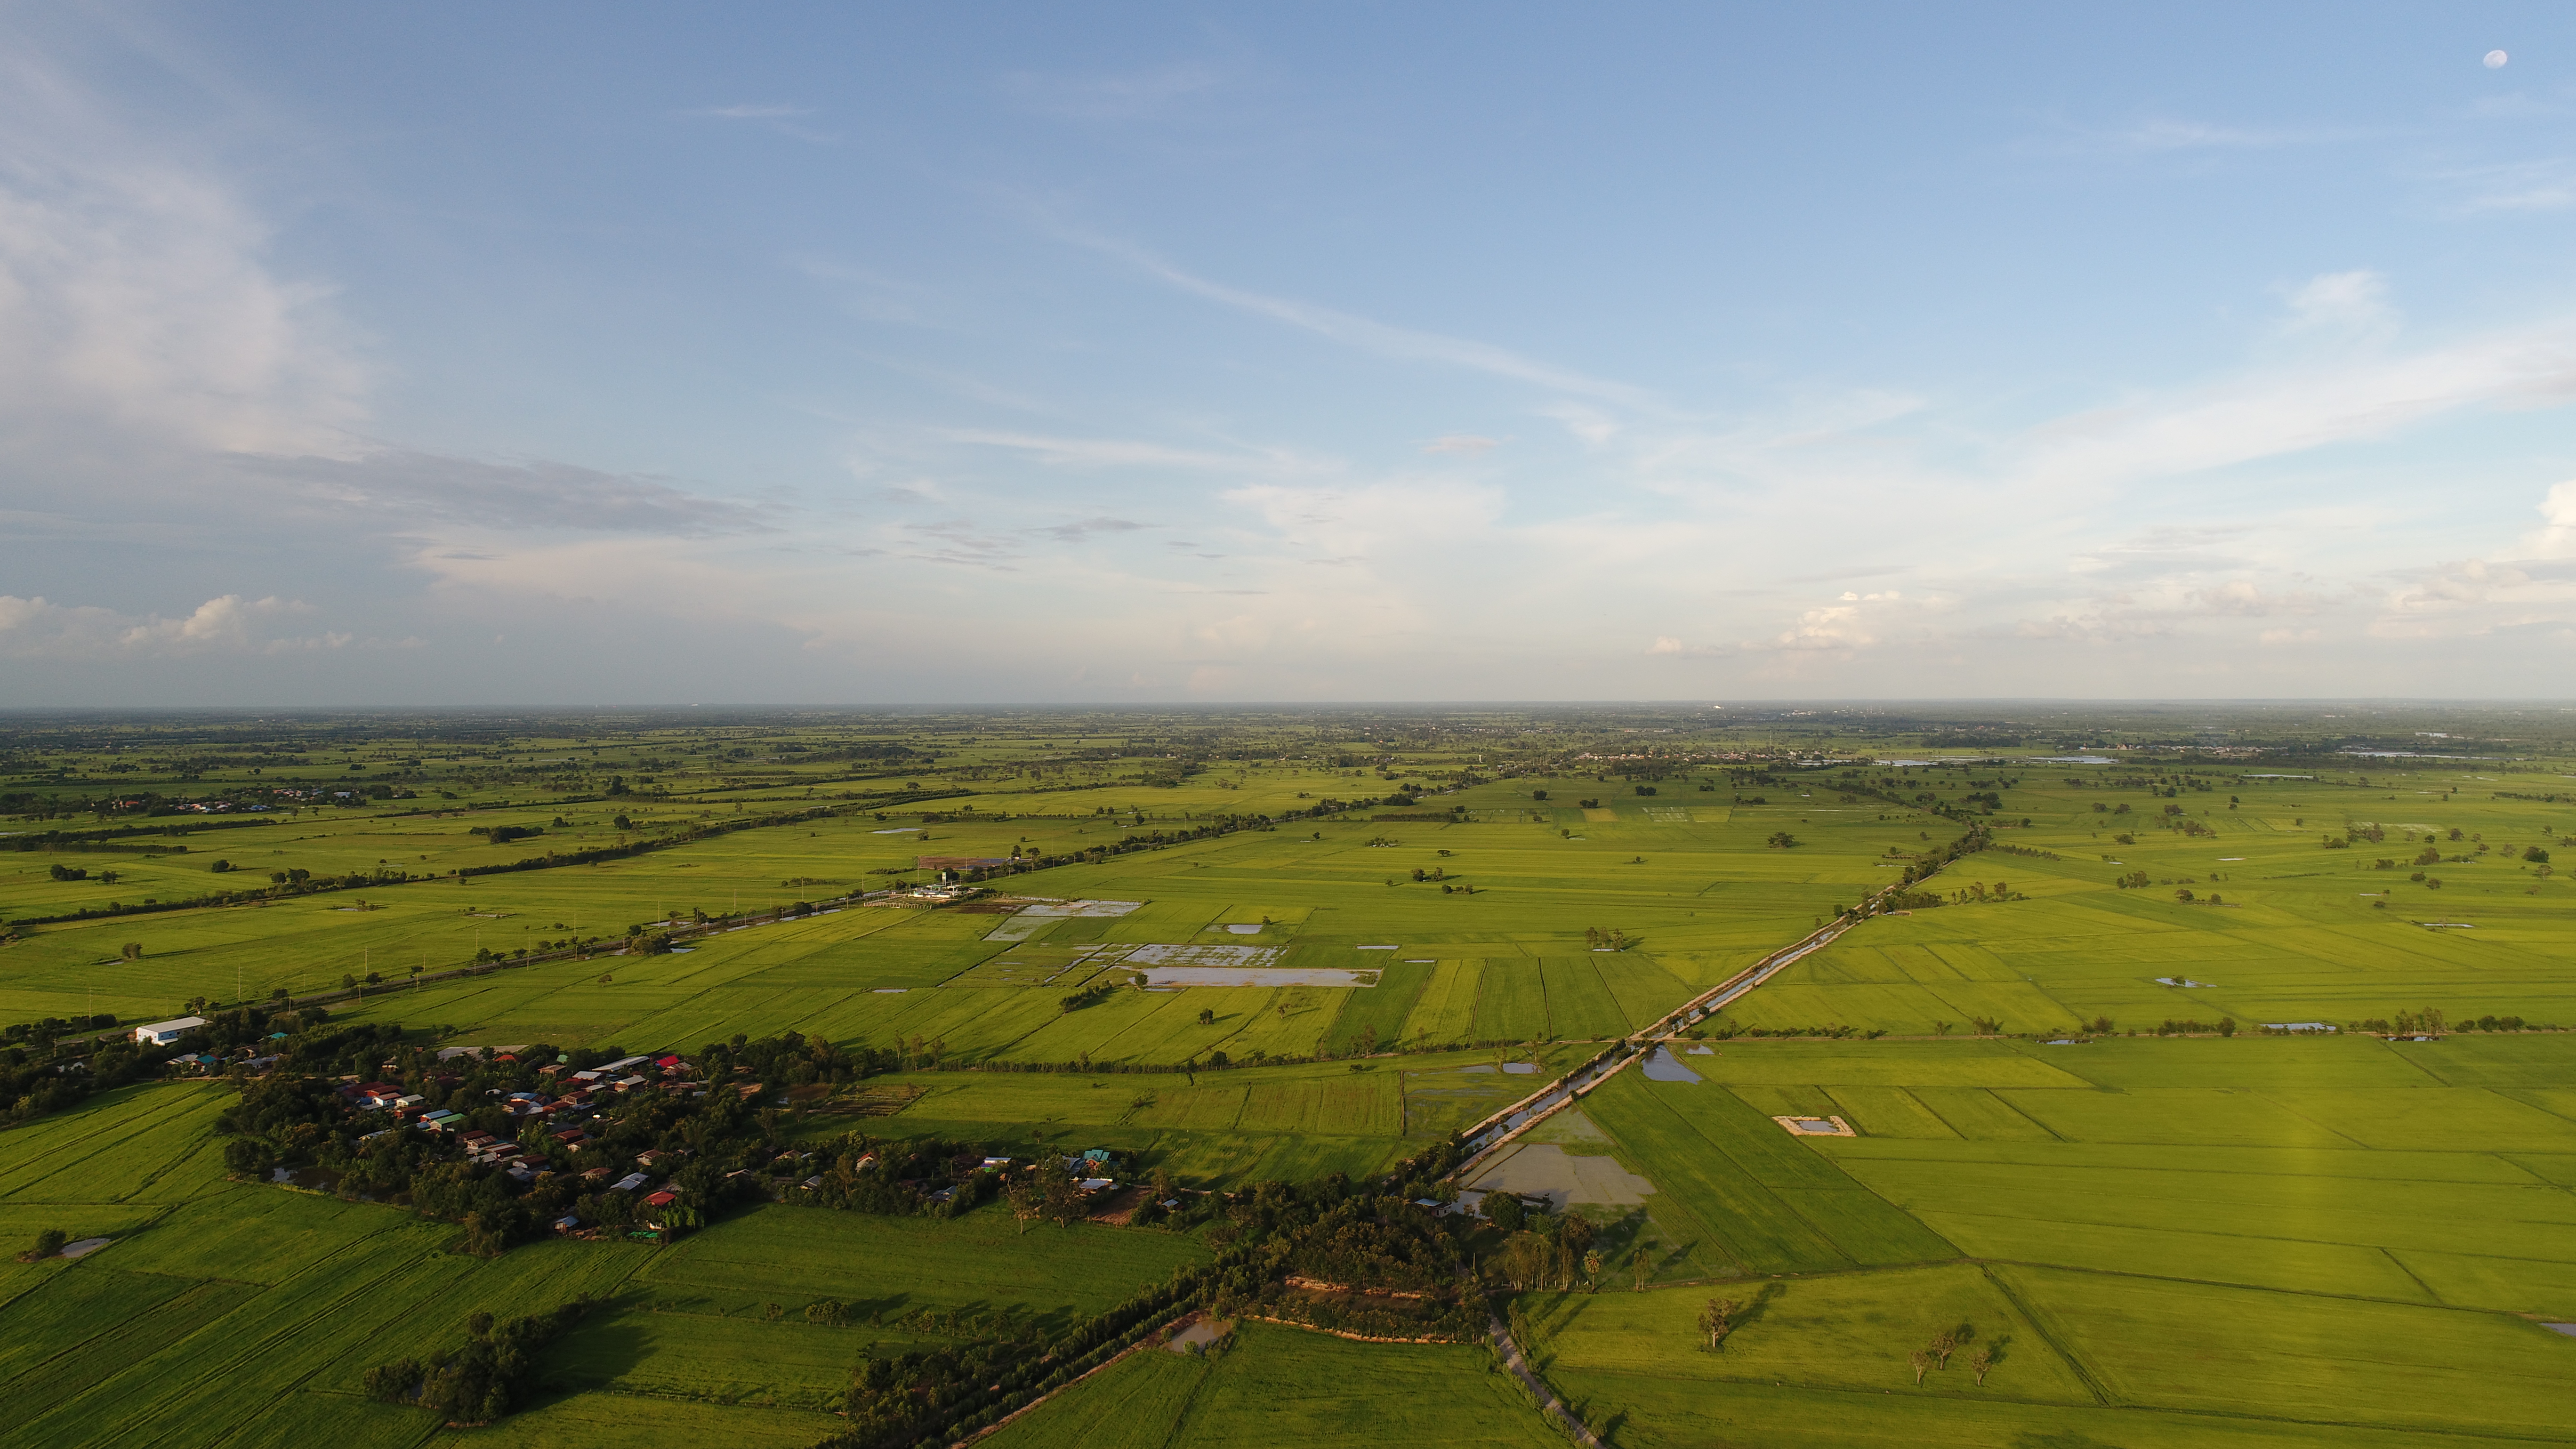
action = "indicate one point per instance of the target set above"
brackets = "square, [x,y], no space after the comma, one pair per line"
[1483,1138]
[1548,1403]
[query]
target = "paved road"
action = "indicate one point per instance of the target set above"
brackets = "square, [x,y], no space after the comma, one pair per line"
[1483,1138]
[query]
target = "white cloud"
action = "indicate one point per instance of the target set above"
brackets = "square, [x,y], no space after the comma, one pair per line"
[38,628]
[2292,409]
[2351,302]
[1590,424]
[1465,444]
[2556,537]
[2246,599]
[136,294]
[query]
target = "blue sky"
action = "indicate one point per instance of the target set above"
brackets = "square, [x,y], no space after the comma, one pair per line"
[568,354]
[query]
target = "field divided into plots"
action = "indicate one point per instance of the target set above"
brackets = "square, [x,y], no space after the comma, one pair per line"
[1223,1128]
[1700,899]
[2277,927]
[230,1313]
[1281,1386]
[2362,1235]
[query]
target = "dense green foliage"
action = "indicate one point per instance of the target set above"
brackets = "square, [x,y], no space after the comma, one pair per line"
[483,1380]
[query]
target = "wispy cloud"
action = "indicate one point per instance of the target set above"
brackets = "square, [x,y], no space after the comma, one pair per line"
[1125,96]
[401,485]
[2547,184]
[138,296]
[2293,409]
[2169,134]
[785,120]
[1131,452]
[2349,303]
[751,112]
[1081,529]
[1463,444]
[1369,335]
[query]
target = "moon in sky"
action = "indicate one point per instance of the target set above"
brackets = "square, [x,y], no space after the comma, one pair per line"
[2496,59]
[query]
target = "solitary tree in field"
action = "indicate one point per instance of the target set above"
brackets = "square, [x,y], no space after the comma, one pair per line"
[1944,1344]
[1922,1364]
[1981,1363]
[1207,1016]
[1717,1320]
[1025,1200]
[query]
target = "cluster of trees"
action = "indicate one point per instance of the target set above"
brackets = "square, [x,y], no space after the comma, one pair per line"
[282,883]
[1541,1250]
[487,1377]
[928,1176]
[1936,1354]
[2224,1026]
[1728,1031]
[944,1393]
[1352,1258]
[42,1073]
[1088,996]
[2428,1022]
[725,1140]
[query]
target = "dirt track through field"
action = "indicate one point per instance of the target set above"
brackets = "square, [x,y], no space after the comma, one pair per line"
[1548,1403]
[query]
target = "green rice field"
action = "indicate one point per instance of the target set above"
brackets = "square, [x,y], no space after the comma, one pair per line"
[2070,1131]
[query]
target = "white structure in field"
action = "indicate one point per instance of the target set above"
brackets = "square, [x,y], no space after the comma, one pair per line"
[162,1033]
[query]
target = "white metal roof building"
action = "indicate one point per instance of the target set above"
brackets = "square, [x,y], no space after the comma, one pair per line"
[162,1033]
